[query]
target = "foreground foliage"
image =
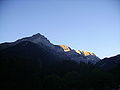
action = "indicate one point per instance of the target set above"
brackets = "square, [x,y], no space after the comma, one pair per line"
[20,73]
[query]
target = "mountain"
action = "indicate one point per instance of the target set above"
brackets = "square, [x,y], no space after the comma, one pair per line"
[109,63]
[60,51]
[34,63]
[37,39]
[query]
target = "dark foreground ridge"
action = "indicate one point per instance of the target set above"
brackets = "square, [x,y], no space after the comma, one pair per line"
[34,63]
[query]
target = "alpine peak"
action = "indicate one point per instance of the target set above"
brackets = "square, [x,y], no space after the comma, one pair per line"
[37,39]
[37,35]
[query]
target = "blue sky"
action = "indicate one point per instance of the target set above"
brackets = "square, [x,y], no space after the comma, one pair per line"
[90,25]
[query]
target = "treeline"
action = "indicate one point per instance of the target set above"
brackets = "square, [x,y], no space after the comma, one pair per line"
[20,73]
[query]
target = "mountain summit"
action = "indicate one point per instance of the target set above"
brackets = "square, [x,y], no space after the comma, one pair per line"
[57,51]
[37,39]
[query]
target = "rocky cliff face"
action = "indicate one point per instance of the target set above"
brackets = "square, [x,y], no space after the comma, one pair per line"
[85,53]
[65,48]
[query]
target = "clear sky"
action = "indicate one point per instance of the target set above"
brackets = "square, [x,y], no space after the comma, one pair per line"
[90,25]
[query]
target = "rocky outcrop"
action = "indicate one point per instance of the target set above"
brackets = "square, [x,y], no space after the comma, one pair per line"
[85,53]
[65,48]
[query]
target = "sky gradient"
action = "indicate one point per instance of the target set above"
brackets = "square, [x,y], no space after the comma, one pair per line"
[90,25]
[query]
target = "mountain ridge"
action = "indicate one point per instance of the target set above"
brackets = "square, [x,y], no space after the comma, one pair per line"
[29,64]
[63,51]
